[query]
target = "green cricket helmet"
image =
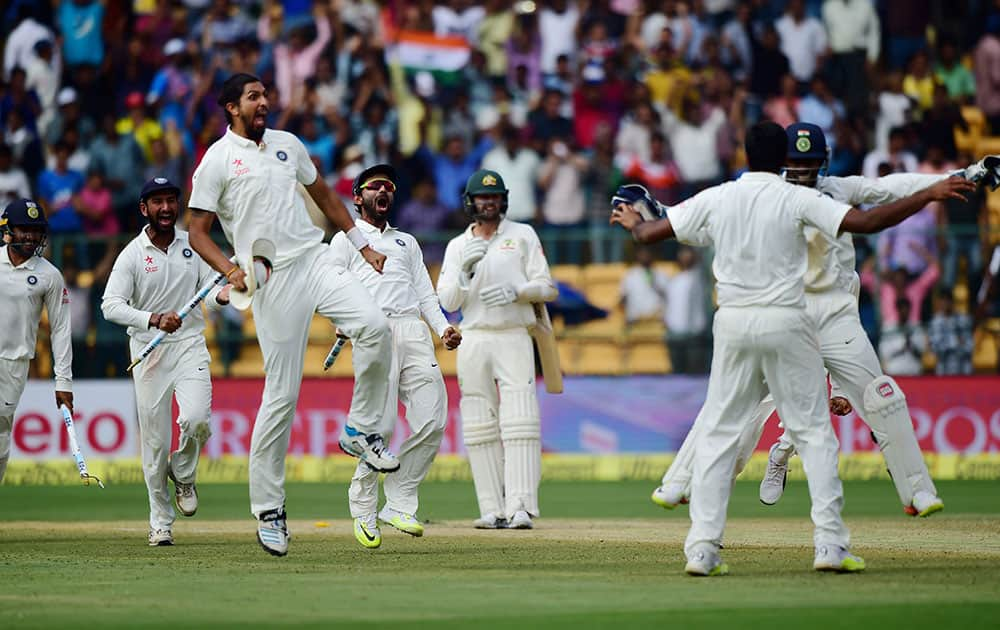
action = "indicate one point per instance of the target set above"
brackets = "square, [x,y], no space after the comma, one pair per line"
[484,182]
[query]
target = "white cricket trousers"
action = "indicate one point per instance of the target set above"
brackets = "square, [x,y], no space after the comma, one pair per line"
[13,376]
[282,310]
[501,423]
[753,345]
[173,369]
[415,380]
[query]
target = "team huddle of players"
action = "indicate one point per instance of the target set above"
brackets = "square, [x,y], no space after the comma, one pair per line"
[784,267]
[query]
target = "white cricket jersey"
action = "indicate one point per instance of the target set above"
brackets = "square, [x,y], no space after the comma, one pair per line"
[25,288]
[514,256]
[252,189]
[147,280]
[404,286]
[757,226]
[832,261]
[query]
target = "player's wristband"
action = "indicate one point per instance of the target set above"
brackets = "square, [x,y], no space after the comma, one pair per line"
[232,271]
[357,238]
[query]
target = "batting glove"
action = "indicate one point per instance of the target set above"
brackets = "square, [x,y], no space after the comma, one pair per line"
[985,171]
[640,198]
[498,295]
[472,253]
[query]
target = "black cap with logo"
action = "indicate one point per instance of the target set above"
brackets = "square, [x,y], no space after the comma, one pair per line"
[158,184]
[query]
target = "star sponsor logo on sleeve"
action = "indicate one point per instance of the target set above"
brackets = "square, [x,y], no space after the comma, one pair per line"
[65,296]
[239,169]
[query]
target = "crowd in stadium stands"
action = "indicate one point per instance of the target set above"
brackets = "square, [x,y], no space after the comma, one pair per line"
[566,98]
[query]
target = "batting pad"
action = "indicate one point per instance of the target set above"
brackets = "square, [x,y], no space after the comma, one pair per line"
[519,414]
[522,473]
[889,419]
[482,443]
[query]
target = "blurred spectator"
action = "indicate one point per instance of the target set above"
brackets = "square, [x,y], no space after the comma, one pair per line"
[803,40]
[783,108]
[228,323]
[173,85]
[986,65]
[494,30]
[460,121]
[13,182]
[769,64]
[24,144]
[963,221]
[139,125]
[518,165]
[821,107]
[560,178]
[524,49]
[694,137]
[453,166]
[375,130]
[79,157]
[20,99]
[419,117]
[895,155]
[162,164]
[737,43]
[56,189]
[918,83]
[902,344]
[905,29]
[855,41]
[601,180]
[458,17]
[643,288]
[596,45]
[557,22]
[910,245]
[319,145]
[42,78]
[81,24]
[897,284]
[69,116]
[661,80]
[951,338]
[295,61]
[19,49]
[635,133]
[221,27]
[893,109]
[424,214]
[937,128]
[591,107]
[685,315]
[988,296]
[658,172]
[93,204]
[79,317]
[952,73]
[120,160]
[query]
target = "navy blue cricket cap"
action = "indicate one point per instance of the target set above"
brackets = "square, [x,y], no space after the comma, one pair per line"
[806,141]
[158,184]
[23,212]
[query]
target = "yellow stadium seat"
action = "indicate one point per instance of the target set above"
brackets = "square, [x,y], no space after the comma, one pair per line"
[968,140]
[568,274]
[987,145]
[647,358]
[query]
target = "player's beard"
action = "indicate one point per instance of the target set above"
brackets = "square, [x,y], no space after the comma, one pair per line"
[250,128]
[377,208]
[27,245]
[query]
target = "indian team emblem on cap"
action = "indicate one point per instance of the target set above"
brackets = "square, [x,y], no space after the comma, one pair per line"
[187,252]
[489,180]
[803,143]
[160,180]
[32,280]
[32,209]
[282,156]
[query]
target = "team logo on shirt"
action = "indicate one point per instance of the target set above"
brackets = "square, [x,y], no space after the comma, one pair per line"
[508,244]
[65,297]
[187,252]
[150,267]
[282,155]
[32,280]
[240,169]
[400,242]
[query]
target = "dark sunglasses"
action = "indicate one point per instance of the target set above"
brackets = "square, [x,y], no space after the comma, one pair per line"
[375,184]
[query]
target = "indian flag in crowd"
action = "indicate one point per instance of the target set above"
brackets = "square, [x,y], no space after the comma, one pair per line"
[443,56]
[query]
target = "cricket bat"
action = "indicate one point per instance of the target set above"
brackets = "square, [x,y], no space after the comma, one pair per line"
[548,352]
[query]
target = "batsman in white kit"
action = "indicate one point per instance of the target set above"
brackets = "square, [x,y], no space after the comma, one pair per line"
[153,276]
[496,273]
[405,294]
[763,333]
[27,283]
[248,179]
[831,302]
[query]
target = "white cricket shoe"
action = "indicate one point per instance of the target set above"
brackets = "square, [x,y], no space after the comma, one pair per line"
[670,495]
[837,559]
[521,520]
[705,561]
[775,477]
[160,538]
[925,504]
[370,449]
[406,523]
[272,532]
[490,521]
[185,494]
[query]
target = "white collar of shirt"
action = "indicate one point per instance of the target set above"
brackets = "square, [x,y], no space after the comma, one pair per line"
[147,242]
[371,229]
[246,143]
[500,228]
[760,176]
[5,258]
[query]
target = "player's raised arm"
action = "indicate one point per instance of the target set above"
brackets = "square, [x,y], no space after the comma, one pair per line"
[882,217]
[334,209]
[642,231]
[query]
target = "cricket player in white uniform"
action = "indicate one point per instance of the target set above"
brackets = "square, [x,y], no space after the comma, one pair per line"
[831,302]
[154,275]
[404,292]
[248,179]
[27,282]
[493,272]
[762,333]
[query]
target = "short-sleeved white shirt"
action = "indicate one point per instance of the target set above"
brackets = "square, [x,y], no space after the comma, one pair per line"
[252,189]
[757,225]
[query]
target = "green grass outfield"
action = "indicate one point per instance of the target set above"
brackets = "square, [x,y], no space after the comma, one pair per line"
[601,556]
